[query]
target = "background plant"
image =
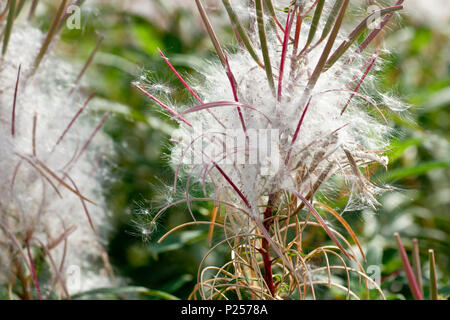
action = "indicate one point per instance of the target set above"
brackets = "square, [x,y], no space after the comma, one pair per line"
[51,205]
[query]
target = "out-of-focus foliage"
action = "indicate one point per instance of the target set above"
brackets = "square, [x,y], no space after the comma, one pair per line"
[419,70]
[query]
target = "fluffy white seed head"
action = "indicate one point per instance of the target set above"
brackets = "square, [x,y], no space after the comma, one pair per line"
[337,135]
[34,163]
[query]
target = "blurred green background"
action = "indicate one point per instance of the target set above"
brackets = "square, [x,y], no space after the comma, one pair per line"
[417,69]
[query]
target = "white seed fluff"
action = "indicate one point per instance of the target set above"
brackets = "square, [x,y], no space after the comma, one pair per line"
[330,144]
[29,205]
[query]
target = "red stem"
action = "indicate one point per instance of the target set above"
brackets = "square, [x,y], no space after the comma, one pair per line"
[187,86]
[241,195]
[297,130]
[268,275]
[13,121]
[166,107]
[289,21]
[358,85]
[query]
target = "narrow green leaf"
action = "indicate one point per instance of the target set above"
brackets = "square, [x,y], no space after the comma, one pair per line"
[9,25]
[398,147]
[274,19]
[177,283]
[315,21]
[125,290]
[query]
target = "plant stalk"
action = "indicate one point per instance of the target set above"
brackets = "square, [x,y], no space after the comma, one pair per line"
[265,252]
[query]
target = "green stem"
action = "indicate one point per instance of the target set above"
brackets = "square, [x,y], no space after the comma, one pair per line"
[433,277]
[50,35]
